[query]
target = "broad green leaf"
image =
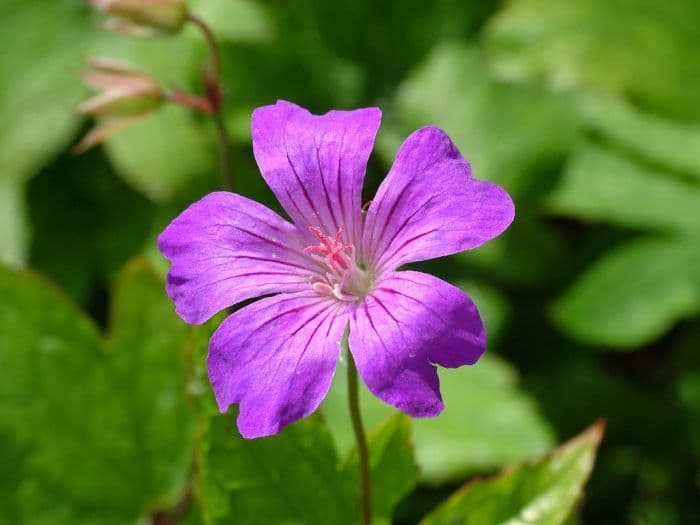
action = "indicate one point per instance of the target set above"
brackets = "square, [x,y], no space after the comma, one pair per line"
[107,422]
[38,83]
[633,294]
[505,132]
[540,493]
[487,421]
[14,230]
[161,155]
[659,140]
[393,472]
[632,47]
[598,185]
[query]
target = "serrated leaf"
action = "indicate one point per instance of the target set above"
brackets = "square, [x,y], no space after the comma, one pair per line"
[630,47]
[107,422]
[503,131]
[540,493]
[487,421]
[633,294]
[598,185]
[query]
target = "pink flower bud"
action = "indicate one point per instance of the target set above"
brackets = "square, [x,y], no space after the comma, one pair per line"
[125,96]
[144,17]
[124,90]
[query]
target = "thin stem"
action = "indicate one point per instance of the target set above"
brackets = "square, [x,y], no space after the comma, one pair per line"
[361,440]
[224,151]
[212,89]
[211,42]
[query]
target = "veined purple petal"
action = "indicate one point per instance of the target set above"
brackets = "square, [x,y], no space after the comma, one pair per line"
[276,357]
[410,321]
[429,205]
[224,249]
[314,164]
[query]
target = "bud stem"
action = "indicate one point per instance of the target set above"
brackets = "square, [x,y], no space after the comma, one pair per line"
[212,90]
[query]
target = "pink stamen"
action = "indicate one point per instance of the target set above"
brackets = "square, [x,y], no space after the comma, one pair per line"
[332,249]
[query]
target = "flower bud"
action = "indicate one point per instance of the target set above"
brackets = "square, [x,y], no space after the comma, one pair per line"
[125,90]
[144,17]
[126,95]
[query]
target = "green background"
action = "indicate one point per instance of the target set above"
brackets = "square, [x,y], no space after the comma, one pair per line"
[586,111]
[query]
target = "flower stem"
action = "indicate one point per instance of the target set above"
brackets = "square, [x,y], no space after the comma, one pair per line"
[212,89]
[361,440]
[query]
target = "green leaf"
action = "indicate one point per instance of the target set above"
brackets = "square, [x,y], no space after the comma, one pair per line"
[163,154]
[656,139]
[632,47]
[14,230]
[598,185]
[541,493]
[393,472]
[503,131]
[288,478]
[634,294]
[240,21]
[487,421]
[295,476]
[110,431]
[38,79]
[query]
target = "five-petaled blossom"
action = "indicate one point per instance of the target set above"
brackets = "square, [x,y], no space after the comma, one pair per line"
[333,266]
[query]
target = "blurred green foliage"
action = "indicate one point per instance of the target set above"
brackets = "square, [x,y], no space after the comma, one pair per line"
[586,111]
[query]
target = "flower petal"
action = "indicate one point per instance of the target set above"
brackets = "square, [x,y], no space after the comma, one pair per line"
[315,164]
[225,249]
[410,321]
[276,357]
[429,206]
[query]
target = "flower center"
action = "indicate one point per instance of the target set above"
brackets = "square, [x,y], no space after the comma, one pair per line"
[344,278]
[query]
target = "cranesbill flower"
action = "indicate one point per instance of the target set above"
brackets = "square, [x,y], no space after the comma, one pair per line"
[333,266]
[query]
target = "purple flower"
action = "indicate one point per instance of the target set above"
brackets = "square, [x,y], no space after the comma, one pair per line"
[333,266]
